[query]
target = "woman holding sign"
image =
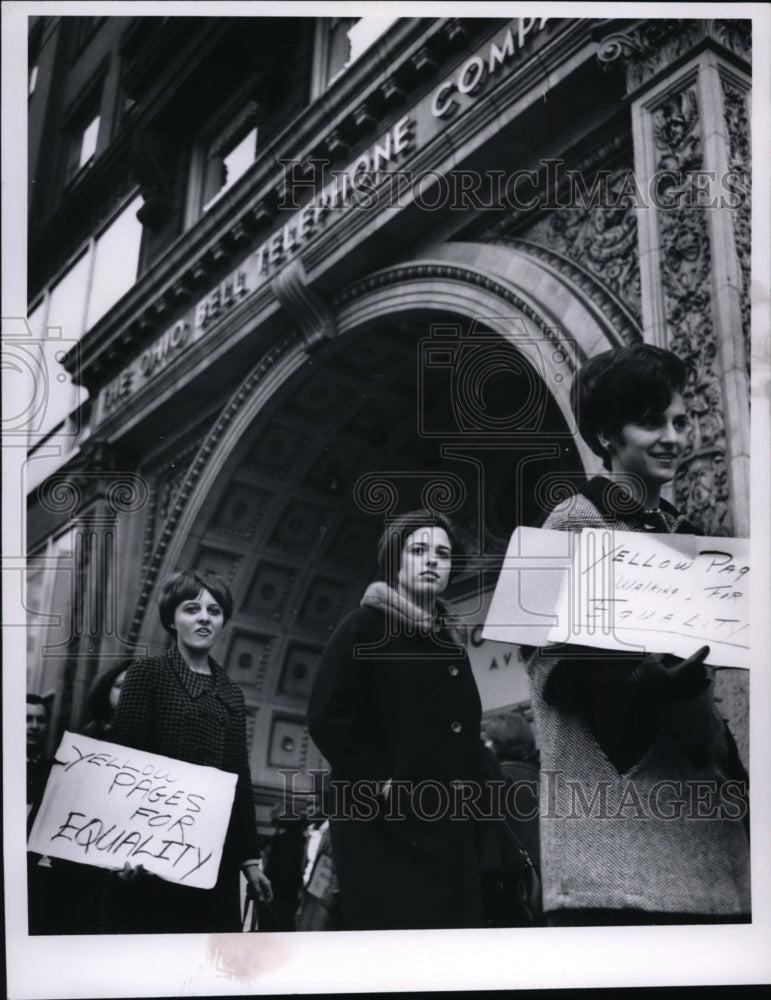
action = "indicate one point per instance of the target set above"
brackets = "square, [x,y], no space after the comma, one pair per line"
[639,759]
[182,705]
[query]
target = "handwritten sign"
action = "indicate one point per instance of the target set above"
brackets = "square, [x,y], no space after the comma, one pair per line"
[625,590]
[105,804]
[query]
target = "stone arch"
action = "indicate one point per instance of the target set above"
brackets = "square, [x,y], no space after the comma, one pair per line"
[487,283]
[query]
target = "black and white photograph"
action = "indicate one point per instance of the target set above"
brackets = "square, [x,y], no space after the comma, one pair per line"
[386,445]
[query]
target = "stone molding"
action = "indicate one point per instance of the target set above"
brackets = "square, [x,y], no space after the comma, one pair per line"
[651,47]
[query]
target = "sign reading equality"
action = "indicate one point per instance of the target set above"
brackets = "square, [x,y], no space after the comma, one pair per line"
[105,805]
[623,590]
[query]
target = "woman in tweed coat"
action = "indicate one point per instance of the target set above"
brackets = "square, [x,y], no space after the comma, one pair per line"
[637,735]
[396,712]
[182,705]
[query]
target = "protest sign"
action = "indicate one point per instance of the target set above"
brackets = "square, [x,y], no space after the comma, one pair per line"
[623,590]
[106,804]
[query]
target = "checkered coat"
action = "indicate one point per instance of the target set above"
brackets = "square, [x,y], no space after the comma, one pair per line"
[166,708]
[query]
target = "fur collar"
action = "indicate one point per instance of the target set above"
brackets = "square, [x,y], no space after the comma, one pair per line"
[392,604]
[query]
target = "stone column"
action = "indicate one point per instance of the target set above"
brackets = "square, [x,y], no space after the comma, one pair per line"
[688,85]
[92,496]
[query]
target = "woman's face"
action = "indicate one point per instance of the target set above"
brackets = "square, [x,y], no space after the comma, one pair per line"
[198,621]
[114,694]
[651,448]
[425,567]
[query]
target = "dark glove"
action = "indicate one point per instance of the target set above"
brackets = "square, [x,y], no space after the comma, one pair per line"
[663,677]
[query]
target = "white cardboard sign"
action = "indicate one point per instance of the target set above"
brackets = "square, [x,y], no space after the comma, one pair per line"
[625,590]
[106,804]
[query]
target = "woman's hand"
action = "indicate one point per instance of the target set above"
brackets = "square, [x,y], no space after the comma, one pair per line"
[258,885]
[130,873]
[661,675]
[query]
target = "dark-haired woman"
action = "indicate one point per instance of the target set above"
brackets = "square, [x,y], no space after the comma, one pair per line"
[396,712]
[636,735]
[183,706]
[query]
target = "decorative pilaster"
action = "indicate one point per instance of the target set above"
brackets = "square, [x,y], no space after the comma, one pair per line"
[92,497]
[687,91]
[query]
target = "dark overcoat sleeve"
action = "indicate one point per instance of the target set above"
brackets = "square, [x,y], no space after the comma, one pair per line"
[341,721]
[242,823]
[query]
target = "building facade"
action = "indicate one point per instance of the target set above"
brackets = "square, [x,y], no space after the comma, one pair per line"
[304,273]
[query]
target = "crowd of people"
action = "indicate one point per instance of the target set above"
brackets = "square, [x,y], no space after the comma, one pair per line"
[438,818]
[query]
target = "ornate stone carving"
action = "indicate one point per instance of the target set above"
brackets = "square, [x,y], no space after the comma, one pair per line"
[702,490]
[598,233]
[739,153]
[653,45]
[701,487]
[307,309]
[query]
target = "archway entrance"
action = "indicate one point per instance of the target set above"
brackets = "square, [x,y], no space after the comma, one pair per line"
[415,402]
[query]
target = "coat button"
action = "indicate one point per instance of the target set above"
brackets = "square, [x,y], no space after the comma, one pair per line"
[456,727]
[452,670]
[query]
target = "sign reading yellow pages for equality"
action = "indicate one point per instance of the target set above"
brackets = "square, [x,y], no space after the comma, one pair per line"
[625,590]
[105,804]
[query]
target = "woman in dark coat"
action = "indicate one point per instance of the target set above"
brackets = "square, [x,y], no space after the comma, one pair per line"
[396,712]
[182,705]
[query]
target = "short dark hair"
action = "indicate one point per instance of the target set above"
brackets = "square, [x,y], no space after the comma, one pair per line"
[35,699]
[624,385]
[186,586]
[391,544]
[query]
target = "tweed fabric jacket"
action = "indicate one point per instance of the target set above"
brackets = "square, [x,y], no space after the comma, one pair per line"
[168,709]
[619,825]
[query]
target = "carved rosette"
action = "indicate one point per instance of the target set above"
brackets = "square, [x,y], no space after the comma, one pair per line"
[739,162]
[701,487]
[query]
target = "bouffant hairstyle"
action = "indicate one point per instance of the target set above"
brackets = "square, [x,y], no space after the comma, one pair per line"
[621,386]
[391,544]
[186,586]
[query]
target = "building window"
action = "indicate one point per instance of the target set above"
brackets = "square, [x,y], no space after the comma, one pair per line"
[81,146]
[224,152]
[340,42]
[226,163]
[116,261]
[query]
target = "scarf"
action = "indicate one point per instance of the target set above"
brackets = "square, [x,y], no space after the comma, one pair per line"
[392,604]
